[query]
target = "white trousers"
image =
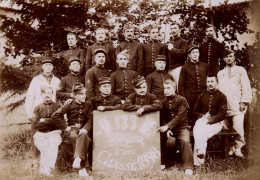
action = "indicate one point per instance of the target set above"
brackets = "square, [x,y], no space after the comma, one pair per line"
[48,144]
[202,132]
[238,125]
[175,73]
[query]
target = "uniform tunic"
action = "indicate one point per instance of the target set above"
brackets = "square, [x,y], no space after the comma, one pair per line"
[92,80]
[135,49]
[177,55]
[213,102]
[110,56]
[65,88]
[212,52]
[150,51]
[148,101]
[73,51]
[155,83]
[121,82]
[110,102]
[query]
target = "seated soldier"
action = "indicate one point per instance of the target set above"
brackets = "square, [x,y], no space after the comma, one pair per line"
[141,101]
[155,79]
[47,137]
[106,101]
[64,91]
[175,123]
[79,129]
[210,110]
[121,80]
[96,72]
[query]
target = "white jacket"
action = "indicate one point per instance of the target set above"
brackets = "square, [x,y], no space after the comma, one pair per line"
[33,96]
[237,88]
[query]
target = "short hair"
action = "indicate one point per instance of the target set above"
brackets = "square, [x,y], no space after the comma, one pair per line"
[175,23]
[44,88]
[213,75]
[101,28]
[74,34]
[211,25]
[78,87]
[171,82]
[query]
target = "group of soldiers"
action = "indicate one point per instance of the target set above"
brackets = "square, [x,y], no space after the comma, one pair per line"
[197,88]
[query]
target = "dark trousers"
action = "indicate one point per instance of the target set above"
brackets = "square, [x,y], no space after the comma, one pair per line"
[35,150]
[81,144]
[181,135]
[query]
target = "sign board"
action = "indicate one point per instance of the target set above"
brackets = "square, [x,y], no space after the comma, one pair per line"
[124,141]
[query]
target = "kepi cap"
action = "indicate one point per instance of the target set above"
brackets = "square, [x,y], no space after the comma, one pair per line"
[77,87]
[104,80]
[228,51]
[74,58]
[138,80]
[192,46]
[160,58]
[46,59]
[99,51]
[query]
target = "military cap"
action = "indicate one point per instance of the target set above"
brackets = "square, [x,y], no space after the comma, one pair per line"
[77,87]
[160,58]
[104,80]
[227,52]
[99,51]
[125,53]
[192,46]
[129,25]
[47,59]
[138,80]
[74,58]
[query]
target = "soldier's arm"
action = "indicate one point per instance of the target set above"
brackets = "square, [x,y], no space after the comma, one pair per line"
[155,104]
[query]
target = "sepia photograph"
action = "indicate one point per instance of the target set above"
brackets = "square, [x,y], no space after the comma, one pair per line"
[129,89]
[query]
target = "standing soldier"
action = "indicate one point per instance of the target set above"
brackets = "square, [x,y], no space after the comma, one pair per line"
[193,79]
[234,83]
[152,49]
[101,36]
[121,80]
[33,96]
[155,80]
[212,51]
[96,72]
[134,48]
[64,91]
[73,50]
[177,52]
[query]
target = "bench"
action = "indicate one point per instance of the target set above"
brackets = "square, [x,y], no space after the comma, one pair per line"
[226,136]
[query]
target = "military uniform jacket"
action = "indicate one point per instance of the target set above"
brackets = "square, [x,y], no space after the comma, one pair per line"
[174,112]
[92,80]
[110,102]
[212,52]
[65,88]
[213,102]
[74,51]
[149,102]
[150,51]
[193,78]
[121,82]
[77,113]
[155,83]
[110,56]
[136,61]
[177,55]
[45,110]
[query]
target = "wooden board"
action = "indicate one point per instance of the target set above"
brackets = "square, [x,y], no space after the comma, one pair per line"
[124,141]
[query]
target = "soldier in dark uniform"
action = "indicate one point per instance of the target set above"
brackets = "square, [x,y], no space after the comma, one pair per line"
[105,101]
[193,79]
[79,129]
[101,35]
[155,80]
[174,124]
[134,48]
[141,101]
[177,52]
[212,51]
[121,80]
[152,49]
[64,91]
[96,72]
[73,50]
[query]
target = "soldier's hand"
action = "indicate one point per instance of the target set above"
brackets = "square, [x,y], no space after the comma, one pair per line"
[242,106]
[163,128]
[101,108]
[169,133]
[68,128]
[82,131]
[140,111]
[170,46]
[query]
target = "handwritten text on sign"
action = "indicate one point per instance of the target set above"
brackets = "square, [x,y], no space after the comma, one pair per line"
[125,141]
